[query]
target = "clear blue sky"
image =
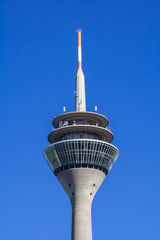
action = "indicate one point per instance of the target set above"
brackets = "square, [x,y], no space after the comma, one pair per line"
[121,62]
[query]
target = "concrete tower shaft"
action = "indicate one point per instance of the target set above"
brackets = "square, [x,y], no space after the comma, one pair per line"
[81,186]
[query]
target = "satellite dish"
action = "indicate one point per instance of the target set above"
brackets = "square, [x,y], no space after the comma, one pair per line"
[65,123]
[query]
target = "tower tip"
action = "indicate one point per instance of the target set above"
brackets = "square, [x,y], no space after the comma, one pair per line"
[79,30]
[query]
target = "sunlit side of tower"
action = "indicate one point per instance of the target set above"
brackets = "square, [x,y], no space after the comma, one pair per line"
[81,155]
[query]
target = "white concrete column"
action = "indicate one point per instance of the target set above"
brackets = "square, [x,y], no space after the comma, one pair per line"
[81,218]
[81,185]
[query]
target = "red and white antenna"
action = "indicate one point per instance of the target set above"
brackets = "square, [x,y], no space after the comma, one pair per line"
[79,48]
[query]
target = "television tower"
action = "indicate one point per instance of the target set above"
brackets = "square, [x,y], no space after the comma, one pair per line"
[81,155]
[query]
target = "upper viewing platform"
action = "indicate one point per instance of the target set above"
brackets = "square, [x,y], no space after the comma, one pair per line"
[75,118]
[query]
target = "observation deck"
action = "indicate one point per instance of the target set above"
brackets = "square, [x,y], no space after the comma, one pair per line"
[90,118]
[80,140]
[81,153]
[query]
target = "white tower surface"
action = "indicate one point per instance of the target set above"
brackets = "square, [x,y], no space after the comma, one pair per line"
[81,155]
[80,98]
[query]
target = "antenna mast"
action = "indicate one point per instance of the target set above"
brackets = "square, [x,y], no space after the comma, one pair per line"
[80,97]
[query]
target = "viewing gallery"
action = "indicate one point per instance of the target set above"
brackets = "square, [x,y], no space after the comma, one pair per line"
[98,154]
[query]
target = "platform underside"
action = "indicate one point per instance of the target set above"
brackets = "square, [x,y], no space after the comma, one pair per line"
[80,165]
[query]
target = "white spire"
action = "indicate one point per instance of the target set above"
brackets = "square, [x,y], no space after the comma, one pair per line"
[80,98]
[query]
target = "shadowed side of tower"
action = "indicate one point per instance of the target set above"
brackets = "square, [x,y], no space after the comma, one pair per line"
[81,155]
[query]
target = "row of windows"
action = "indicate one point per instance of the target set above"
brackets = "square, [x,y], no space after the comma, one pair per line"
[97,159]
[85,145]
[81,151]
[80,135]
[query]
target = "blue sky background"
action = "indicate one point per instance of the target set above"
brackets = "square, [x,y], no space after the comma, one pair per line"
[121,58]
